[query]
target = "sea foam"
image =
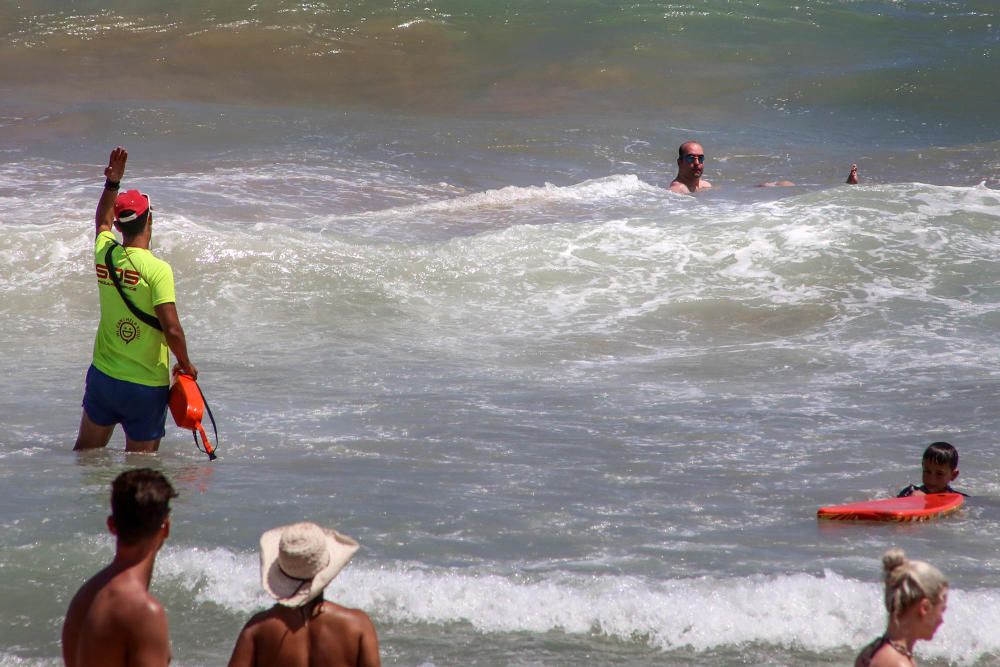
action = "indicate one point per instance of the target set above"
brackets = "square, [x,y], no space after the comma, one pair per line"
[802,611]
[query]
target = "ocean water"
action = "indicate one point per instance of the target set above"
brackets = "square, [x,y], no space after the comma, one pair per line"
[441,300]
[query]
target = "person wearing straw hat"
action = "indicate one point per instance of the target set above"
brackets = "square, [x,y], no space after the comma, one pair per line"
[302,629]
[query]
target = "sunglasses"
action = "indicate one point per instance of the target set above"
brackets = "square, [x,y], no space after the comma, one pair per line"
[691,157]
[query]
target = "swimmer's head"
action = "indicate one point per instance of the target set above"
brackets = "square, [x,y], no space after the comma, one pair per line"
[690,159]
[908,582]
[940,467]
[942,453]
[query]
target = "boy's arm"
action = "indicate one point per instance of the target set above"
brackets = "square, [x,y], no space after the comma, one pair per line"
[106,205]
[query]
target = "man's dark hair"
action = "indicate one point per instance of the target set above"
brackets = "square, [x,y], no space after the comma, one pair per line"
[941,453]
[134,227]
[140,503]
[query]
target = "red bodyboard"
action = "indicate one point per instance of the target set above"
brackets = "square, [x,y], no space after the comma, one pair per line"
[910,508]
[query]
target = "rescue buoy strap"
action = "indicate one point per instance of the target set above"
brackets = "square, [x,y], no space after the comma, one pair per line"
[215,431]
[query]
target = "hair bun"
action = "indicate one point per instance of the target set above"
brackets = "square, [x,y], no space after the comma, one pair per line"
[892,559]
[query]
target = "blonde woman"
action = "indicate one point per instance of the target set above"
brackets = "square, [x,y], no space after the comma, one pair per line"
[916,595]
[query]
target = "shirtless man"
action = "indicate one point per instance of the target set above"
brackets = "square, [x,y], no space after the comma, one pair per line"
[852,178]
[113,621]
[690,166]
[302,629]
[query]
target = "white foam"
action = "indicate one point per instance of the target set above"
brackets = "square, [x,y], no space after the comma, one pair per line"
[215,575]
[12,660]
[804,611]
[609,187]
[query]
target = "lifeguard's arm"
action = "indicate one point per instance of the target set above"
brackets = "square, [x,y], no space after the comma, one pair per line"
[149,643]
[106,206]
[172,331]
[369,654]
[243,651]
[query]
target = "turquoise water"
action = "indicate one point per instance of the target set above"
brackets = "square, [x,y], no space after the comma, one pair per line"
[886,74]
[441,300]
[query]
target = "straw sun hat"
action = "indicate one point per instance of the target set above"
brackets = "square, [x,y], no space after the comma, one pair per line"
[298,561]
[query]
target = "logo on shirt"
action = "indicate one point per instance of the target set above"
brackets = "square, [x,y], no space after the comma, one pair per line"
[128,329]
[128,278]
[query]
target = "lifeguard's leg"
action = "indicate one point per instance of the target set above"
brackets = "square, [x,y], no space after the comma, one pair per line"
[145,419]
[91,435]
[141,445]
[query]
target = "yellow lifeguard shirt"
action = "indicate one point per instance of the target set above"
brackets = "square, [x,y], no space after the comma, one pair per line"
[126,348]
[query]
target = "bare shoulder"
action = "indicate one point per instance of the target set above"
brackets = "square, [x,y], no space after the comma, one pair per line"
[269,622]
[115,622]
[891,658]
[142,616]
[148,608]
[355,624]
[262,618]
[354,617]
[116,599]
[887,656]
[680,188]
[704,185]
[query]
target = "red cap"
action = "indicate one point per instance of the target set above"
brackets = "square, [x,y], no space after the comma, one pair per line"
[130,205]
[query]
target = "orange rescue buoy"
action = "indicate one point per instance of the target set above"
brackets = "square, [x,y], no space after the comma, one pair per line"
[187,405]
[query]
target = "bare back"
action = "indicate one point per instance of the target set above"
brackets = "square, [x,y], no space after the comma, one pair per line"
[319,635]
[113,621]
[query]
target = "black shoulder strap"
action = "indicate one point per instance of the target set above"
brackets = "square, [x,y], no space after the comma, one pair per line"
[144,317]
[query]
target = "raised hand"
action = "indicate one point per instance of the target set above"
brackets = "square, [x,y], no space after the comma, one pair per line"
[116,164]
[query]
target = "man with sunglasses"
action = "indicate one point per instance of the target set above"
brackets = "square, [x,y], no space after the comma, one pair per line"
[128,382]
[690,166]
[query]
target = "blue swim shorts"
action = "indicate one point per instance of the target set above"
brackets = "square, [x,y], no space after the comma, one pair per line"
[141,410]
